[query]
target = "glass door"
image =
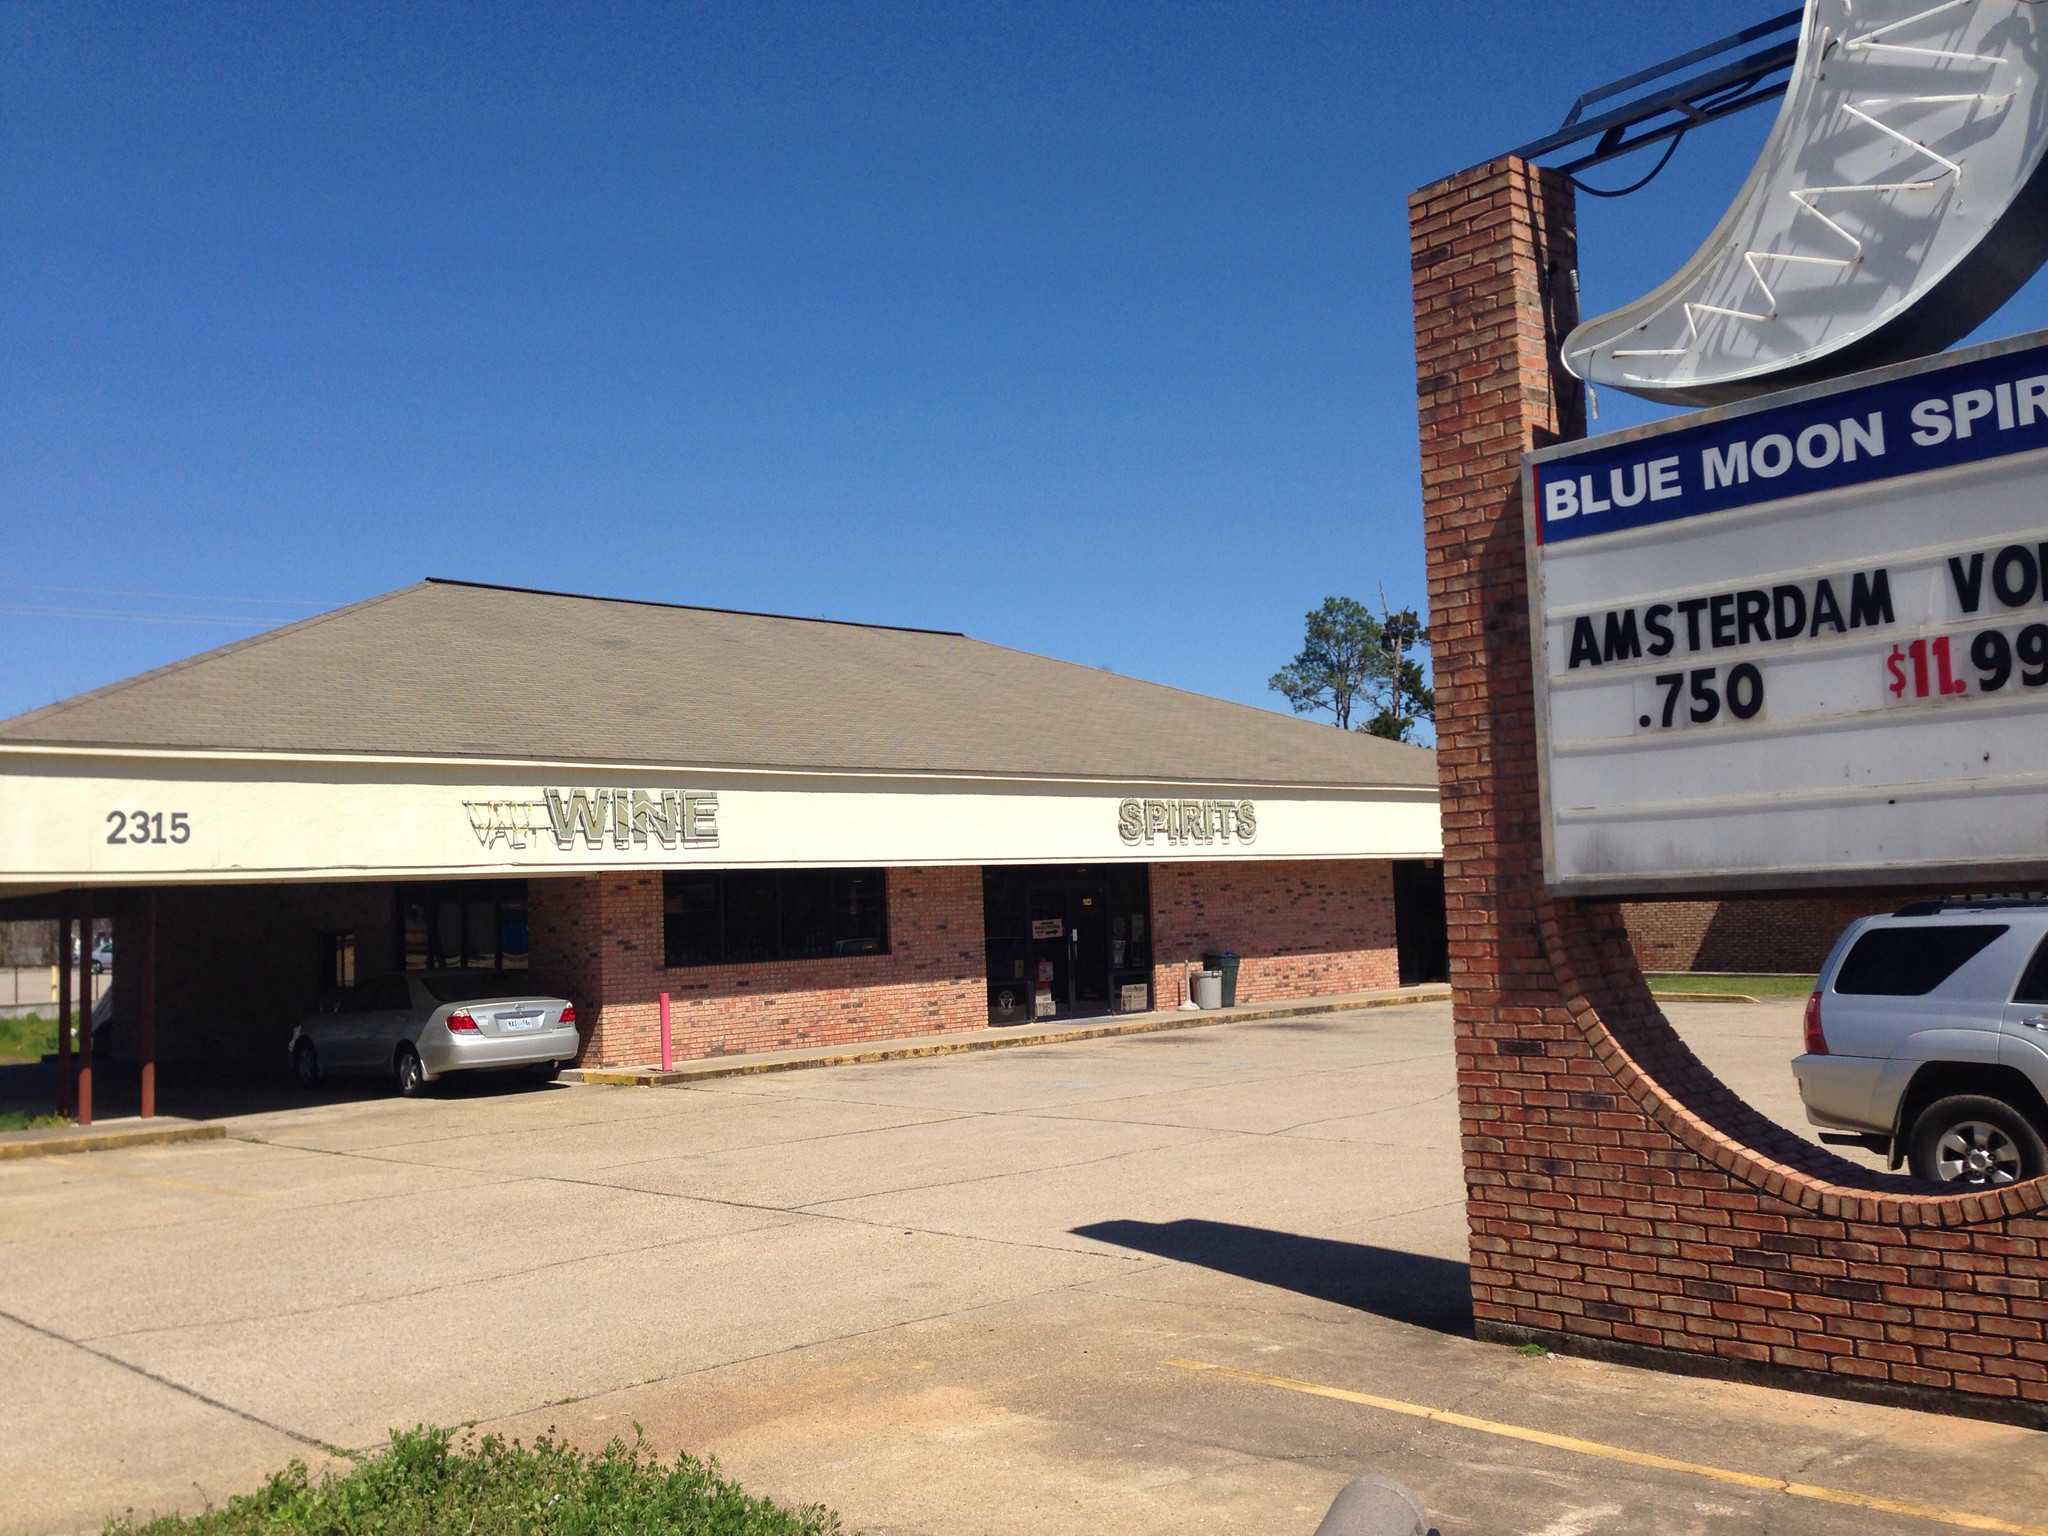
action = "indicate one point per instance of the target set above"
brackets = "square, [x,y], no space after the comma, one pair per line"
[1088,936]
[1066,940]
[1052,970]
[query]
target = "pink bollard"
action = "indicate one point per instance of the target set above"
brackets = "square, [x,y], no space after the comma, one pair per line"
[668,1061]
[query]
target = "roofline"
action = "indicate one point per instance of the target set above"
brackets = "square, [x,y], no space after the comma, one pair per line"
[144,752]
[649,602]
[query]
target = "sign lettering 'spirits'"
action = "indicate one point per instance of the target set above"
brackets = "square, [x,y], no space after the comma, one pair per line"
[599,818]
[1186,821]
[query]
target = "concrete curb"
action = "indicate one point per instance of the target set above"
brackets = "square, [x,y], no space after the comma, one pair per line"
[654,1077]
[57,1141]
[1707,997]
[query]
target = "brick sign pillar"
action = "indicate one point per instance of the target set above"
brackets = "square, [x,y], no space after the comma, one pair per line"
[1622,1202]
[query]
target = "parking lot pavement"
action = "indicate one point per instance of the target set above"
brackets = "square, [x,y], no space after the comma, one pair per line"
[942,1296]
[1750,1046]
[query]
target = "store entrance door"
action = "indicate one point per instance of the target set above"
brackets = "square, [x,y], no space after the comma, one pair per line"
[1062,940]
[1069,949]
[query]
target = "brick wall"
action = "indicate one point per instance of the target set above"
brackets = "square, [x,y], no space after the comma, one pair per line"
[564,926]
[1621,1201]
[599,938]
[1303,929]
[1751,934]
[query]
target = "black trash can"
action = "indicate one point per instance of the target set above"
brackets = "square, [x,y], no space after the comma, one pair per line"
[1224,960]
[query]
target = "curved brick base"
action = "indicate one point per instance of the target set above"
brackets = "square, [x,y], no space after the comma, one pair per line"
[1621,1200]
[1624,1202]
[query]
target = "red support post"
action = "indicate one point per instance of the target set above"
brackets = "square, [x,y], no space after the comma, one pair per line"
[148,1041]
[66,1102]
[85,1002]
[668,1060]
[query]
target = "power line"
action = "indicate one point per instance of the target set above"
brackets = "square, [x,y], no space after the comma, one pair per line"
[183,597]
[240,620]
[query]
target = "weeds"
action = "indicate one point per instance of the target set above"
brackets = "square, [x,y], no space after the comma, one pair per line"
[425,1484]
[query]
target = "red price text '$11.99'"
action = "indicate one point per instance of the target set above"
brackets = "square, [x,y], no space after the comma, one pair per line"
[1926,669]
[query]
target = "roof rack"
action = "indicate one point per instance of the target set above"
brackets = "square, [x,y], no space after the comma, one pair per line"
[1967,904]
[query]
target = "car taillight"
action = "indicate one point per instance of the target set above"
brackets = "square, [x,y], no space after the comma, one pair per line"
[1816,1042]
[460,1023]
[568,1014]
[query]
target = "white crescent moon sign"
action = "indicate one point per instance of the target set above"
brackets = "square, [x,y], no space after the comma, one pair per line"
[1900,199]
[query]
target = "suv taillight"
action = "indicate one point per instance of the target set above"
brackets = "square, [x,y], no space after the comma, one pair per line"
[568,1014]
[460,1023]
[1816,1042]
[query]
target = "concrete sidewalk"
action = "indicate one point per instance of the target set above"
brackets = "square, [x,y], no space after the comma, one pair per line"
[952,1042]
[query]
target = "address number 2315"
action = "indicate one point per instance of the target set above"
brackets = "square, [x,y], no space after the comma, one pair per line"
[148,827]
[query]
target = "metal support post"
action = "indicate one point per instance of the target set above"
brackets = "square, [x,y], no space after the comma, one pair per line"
[66,1102]
[148,1041]
[85,1002]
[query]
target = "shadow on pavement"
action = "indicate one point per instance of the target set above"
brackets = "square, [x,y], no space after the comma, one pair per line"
[1406,1287]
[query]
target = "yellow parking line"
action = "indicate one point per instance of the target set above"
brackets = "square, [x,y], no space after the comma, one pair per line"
[1635,1458]
[204,1189]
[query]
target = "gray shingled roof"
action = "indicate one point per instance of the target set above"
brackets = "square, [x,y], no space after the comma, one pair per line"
[450,669]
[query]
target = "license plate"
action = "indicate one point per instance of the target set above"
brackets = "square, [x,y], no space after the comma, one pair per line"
[518,1021]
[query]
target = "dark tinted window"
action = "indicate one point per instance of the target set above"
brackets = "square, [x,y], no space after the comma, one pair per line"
[392,995]
[750,927]
[746,916]
[2033,987]
[860,912]
[807,912]
[463,925]
[1911,962]
[689,907]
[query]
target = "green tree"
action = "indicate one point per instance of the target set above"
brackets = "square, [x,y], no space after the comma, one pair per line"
[1399,689]
[1355,663]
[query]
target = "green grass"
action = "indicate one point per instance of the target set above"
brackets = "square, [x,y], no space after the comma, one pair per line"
[21,1120]
[33,1036]
[1750,986]
[427,1485]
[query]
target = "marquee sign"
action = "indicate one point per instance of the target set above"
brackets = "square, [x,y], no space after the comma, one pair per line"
[1800,640]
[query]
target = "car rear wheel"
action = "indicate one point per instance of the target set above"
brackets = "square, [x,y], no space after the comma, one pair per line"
[412,1077]
[1972,1140]
[306,1065]
[546,1072]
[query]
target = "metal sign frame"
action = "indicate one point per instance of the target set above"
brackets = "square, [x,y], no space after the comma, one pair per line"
[2028,869]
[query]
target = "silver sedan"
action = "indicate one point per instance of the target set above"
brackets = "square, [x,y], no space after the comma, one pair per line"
[417,1026]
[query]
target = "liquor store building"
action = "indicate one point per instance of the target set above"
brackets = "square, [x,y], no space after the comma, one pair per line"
[801,831]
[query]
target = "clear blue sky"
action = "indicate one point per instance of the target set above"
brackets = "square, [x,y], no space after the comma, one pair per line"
[1081,328]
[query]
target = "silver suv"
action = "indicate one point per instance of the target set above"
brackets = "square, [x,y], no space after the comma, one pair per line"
[1927,1040]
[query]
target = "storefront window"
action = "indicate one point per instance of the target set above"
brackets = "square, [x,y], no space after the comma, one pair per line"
[474,925]
[746,916]
[337,961]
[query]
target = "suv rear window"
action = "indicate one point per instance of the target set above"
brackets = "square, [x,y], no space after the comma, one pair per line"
[1911,962]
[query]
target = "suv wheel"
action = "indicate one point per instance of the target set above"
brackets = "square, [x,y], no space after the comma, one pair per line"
[412,1077]
[1972,1140]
